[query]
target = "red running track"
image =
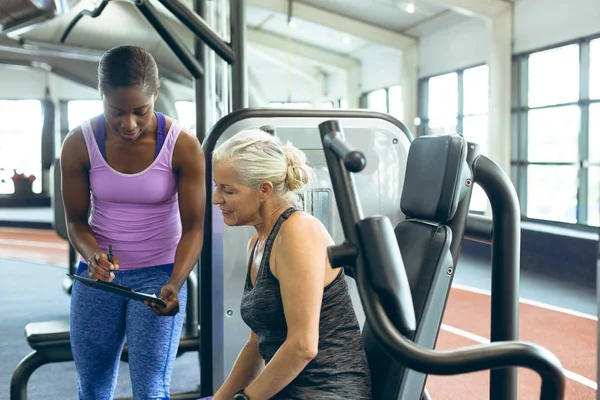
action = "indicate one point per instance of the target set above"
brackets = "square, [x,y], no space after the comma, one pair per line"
[570,336]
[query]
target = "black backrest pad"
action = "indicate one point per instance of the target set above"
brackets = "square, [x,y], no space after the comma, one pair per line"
[436,171]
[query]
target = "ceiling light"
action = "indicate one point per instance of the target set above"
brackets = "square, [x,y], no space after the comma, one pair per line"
[292,23]
[410,8]
[346,40]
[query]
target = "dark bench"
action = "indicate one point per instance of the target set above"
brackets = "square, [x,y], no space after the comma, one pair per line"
[50,341]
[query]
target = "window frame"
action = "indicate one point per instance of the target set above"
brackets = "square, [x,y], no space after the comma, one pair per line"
[520,135]
[423,105]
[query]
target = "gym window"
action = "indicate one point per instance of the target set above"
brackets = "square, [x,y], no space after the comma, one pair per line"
[387,100]
[458,102]
[21,124]
[556,112]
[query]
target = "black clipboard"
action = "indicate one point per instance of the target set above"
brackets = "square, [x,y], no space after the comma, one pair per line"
[119,289]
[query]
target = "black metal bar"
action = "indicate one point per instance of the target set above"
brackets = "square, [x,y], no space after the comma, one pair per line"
[191,309]
[200,104]
[94,13]
[180,50]
[239,72]
[200,83]
[457,224]
[196,23]
[466,360]
[479,229]
[353,160]
[505,268]
[342,182]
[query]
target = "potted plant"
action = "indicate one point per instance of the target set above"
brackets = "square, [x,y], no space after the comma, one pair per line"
[22,183]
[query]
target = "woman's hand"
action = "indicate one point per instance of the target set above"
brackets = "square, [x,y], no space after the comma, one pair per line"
[100,268]
[168,294]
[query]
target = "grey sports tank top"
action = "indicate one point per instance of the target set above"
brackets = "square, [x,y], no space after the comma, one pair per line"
[340,369]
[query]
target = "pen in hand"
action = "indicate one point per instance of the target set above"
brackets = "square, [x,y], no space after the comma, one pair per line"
[110,259]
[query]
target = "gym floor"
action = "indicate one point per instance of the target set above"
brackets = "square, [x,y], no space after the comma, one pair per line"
[553,314]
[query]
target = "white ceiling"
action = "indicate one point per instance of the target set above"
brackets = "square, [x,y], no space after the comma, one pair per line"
[390,14]
[122,23]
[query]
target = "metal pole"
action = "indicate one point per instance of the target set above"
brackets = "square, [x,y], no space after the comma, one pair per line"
[200,83]
[506,242]
[174,43]
[479,229]
[239,91]
[200,103]
[197,24]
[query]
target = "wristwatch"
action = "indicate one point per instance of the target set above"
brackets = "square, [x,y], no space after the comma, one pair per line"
[240,396]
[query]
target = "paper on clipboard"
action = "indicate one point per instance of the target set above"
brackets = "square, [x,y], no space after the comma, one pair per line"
[119,289]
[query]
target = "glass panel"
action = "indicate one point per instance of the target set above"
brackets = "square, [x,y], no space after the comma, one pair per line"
[479,200]
[377,101]
[20,140]
[396,102]
[595,69]
[442,126]
[186,114]
[594,196]
[554,76]
[475,84]
[475,129]
[79,111]
[554,134]
[594,139]
[552,192]
[443,96]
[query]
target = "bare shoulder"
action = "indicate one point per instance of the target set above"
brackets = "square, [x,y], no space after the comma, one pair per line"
[74,149]
[302,229]
[187,150]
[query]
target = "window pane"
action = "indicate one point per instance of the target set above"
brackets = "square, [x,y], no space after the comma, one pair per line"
[377,101]
[554,76]
[20,140]
[78,111]
[594,140]
[594,196]
[552,192]
[475,129]
[186,114]
[595,69]
[554,134]
[443,96]
[479,200]
[396,103]
[475,84]
[442,126]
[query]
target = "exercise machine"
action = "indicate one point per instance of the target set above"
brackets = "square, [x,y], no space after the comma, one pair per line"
[400,271]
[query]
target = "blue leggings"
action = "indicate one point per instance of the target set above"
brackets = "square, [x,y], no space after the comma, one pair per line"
[101,322]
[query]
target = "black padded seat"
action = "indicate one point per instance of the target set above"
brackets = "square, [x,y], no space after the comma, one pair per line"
[41,335]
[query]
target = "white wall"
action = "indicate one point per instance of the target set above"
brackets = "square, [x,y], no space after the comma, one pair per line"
[537,23]
[17,83]
[380,67]
[461,45]
[540,23]
[20,82]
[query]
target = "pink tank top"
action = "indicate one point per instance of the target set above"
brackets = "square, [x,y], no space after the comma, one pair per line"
[138,214]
